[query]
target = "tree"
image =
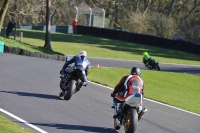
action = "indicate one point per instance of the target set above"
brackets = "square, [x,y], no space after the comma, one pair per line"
[130,15]
[3,11]
[147,4]
[47,44]
[170,8]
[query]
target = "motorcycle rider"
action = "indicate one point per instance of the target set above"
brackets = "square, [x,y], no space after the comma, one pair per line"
[148,60]
[81,56]
[120,89]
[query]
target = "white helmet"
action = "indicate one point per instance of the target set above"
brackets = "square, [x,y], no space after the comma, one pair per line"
[83,53]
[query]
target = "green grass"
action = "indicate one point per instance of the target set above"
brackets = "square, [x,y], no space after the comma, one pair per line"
[177,89]
[7,126]
[100,47]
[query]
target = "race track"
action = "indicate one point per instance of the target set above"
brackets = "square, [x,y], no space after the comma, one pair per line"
[180,68]
[29,89]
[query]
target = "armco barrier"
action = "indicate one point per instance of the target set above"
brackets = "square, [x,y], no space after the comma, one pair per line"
[44,56]
[25,52]
[62,29]
[50,57]
[138,38]
[197,49]
[60,57]
[19,51]
[16,50]
[8,49]
[124,36]
[38,28]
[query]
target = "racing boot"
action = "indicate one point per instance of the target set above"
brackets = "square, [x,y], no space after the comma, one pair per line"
[149,67]
[85,83]
[61,93]
[85,80]
[79,86]
[118,111]
[117,124]
[82,83]
[142,112]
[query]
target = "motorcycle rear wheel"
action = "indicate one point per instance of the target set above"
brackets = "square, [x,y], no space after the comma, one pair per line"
[131,121]
[72,86]
[157,67]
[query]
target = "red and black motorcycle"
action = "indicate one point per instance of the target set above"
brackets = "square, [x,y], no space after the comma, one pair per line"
[128,109]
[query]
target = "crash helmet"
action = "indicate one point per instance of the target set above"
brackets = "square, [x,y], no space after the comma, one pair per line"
[145,54]
[83,53]
[135,71]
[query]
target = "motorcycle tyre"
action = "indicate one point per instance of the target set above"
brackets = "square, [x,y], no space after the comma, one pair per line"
[72,86]
[132,116]
[157,67]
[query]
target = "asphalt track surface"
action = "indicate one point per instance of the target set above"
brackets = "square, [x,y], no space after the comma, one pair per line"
[180,68]
[29,89]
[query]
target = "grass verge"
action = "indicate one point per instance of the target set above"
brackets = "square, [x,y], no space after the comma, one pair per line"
[177,89]
[7,126]
[99,47]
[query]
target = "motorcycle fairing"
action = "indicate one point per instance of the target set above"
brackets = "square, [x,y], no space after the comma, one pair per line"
[134,100]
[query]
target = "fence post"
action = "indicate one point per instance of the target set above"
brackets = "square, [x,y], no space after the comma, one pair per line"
[21,36]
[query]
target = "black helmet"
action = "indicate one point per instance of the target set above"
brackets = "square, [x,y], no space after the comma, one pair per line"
[135,70]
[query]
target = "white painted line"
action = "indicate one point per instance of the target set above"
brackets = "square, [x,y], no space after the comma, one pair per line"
[23,121]
[152,101]
[172,107]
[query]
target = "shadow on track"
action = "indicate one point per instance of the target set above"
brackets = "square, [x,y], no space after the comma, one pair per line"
[78,127]
[46,96]
[159,126]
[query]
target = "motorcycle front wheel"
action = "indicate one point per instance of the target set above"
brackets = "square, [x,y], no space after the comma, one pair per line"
[131,121]
[72,86]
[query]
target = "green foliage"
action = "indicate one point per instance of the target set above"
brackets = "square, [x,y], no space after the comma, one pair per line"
[190,30]
[152,24]
[160,25]
[137,23]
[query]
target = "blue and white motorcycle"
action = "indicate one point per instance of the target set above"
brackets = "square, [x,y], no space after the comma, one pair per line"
[72,82]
